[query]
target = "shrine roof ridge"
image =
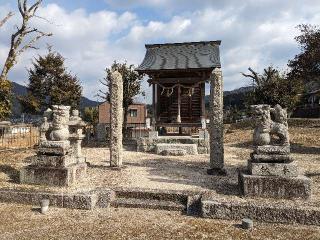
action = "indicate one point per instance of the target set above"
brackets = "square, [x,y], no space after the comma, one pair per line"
[217,42]
[181,56]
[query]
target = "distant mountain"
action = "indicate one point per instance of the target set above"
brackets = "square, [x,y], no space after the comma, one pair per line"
[234,98]
[241,90]
[20,90]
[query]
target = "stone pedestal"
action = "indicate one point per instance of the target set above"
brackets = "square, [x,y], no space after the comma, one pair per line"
[59,161]
[272,173]
[54,165]
[275,186]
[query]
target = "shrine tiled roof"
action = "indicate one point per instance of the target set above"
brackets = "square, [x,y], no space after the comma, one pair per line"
[180,56]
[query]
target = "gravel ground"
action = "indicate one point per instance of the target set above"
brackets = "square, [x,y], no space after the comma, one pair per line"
[153,171]
[146,170]
[25,222]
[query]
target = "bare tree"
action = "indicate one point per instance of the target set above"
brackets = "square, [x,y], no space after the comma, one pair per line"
[3,21]
[16,46]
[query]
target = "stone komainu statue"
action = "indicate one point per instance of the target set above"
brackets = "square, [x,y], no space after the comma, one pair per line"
[270,122]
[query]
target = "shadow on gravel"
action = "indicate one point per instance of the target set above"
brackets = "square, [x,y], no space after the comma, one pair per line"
[13,173]
[247,145]
[301,149]
[313,175]
[193,173]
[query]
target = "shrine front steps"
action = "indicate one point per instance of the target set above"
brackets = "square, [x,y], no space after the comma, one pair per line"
[150,199]
[195,203]
[176,149]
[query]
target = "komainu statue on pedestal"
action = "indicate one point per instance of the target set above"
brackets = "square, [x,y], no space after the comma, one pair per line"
[271,171]
[270,122]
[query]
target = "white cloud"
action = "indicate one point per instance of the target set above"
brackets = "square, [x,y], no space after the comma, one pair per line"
[253,33]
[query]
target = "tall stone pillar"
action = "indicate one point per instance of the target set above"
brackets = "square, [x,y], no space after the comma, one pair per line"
[116,98]
[216,124]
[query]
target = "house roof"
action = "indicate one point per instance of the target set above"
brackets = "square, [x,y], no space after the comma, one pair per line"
[181,56]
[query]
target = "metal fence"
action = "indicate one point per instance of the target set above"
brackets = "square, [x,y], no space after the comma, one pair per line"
[18,136]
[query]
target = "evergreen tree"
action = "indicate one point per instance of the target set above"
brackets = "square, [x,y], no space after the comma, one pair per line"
[91,115]
[306,65]
[50,84]
[131,86]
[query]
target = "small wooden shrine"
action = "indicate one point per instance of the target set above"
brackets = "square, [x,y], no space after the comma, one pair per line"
[177,73]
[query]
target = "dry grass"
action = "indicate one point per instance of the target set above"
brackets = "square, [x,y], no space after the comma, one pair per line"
[22,222]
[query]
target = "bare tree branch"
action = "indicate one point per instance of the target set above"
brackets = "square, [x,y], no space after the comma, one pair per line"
[254,76]
[31,43]
[21,7]
[18,37]
[3,21]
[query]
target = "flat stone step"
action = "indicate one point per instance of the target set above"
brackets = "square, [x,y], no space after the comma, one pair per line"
[174,152]
[147,203]
[152,194]
[191,149]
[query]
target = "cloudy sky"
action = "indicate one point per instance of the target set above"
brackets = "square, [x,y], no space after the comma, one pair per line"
[91,34]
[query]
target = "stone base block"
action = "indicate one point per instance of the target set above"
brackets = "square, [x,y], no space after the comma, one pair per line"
[273,158]
[275,186]
[190,149]
[271,149]
[42,175]
[57,161]
[85,200]
[60,148]
[260,211]
[273,169]
[174,152]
